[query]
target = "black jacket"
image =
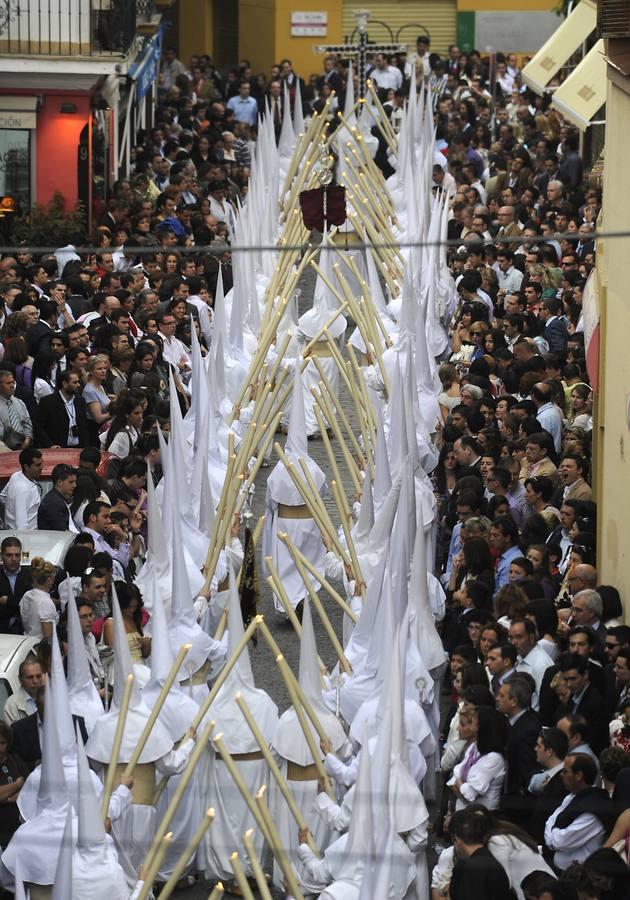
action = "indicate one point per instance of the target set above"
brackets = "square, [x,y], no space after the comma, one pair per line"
[546,803]
[25,739]
[480,876]
[550,706]
[11,609]
[52,423]
[593,707]
[521,752]
[556,335]
[38,337]
[53,513]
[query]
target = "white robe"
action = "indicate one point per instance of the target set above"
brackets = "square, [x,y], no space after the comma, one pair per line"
[133,831]
[305,793]
[232,816]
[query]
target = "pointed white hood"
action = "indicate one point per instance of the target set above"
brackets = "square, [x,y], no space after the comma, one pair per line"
[225,711]
[90,830]
[324,301]
[286,144]
[179,709]
[62,887]
[382,471]
[101,740]
[290,742]
[422,625]
[97,874]
[183,625]
[45,831]
[83,695]
[60,703]
[365,522]
[157,559]
[280,486]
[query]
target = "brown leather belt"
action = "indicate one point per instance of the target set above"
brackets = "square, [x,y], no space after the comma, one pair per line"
[198,677]
[293,512]
[321,348]
[39,891]
[254,756]
[143,790]
[223,585]
[301,773]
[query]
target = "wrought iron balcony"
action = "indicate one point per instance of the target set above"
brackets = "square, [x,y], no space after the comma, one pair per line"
[71,27]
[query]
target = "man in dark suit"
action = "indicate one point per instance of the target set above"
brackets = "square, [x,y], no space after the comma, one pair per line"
[61,417]
[26,733]
[581,640]
[555,331]
[276,106]
[331,76]
[513,700]
[293,81]
[476,873]
[38,335]
[54,510]
[548,787]
[585,700]
[14,583]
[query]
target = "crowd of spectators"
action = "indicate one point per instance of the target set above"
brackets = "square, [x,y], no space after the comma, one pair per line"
[538,732]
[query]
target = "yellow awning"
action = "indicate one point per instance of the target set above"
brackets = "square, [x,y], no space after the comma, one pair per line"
[582,95]
[561,46]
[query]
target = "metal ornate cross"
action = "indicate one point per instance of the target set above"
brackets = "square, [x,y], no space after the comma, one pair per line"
[361,50]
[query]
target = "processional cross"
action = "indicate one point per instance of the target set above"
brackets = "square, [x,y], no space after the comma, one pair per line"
[362,49]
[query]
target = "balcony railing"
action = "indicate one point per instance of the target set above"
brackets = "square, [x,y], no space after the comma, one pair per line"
[70,27]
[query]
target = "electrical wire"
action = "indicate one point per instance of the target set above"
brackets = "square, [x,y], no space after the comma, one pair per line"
[465,243]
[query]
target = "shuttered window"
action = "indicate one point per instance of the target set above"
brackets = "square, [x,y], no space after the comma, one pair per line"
[437,16]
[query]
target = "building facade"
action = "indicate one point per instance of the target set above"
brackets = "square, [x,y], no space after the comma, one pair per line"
[76,81]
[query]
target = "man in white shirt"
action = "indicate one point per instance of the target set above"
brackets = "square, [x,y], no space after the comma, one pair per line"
[548,414]
[419,59]
[579,825]
[509,278]
[22,493]
[384,76]
[97,522]
[551,750]
[244,107]
[86,619]
[174,352]
[531,658]
[23,703]
[500,663]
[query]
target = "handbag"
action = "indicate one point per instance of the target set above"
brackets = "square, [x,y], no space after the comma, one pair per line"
[12,438]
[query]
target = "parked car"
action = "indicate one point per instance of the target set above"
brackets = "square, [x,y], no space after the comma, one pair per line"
[14,648]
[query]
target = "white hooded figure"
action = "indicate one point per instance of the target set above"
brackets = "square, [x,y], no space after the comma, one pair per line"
[309,325]
[36,845]
[176,715]
[286,511]
[206,656]
[133,831]
[232,815]
[83,695]
[60,711]
[96,872]
[296,760]
[344,860]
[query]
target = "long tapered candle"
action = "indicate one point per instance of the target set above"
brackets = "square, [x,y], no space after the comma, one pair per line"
[118,736]
[184,781]
[276,845]
[182,863]
[254,862]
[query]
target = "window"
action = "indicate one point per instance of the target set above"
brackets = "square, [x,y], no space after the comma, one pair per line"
[15,165]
